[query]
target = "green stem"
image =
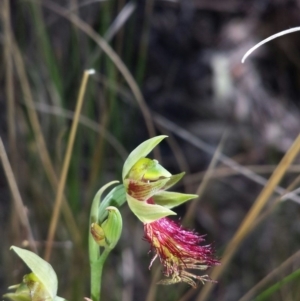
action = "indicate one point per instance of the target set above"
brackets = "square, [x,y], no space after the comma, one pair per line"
[96,275]
[96,259]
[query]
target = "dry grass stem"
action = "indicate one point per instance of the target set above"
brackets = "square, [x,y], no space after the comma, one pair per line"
[224,171]
[19,206]
[252,215]
[192,207]
[66,164]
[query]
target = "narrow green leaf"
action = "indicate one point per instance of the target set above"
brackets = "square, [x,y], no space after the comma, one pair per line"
[140,152]
[169,199]
[147,213]
[41,268]
[266,295]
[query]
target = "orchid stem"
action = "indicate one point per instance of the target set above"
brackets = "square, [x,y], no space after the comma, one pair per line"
[96,275]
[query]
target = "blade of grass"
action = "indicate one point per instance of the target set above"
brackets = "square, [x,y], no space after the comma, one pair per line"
[65,167]
[45,46]
[271,290]
[143,49]
[40,141]
[19,206]
[252,216]
[111,31]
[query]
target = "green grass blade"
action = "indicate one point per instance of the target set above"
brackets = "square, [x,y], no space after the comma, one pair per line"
[265,295]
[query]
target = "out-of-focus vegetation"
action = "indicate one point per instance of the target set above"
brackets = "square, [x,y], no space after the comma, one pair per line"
[170,67]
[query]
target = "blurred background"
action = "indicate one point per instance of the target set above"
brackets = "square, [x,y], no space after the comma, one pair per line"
[162,67]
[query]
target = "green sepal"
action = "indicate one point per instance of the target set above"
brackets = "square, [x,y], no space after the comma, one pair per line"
[94,214]
[169,199]
[41,268]
[147,169]
[173,180]
[140,152]
[116,197]
[147,213]
[21,294]
[112,227]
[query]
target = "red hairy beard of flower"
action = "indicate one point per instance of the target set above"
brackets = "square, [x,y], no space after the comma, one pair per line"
[179,250]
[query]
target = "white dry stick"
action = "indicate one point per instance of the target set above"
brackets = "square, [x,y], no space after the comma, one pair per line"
[274,36]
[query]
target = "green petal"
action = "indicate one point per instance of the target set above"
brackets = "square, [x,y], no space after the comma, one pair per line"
[142,190]
[169,199]
[147,213]
[140,152]
[41,268]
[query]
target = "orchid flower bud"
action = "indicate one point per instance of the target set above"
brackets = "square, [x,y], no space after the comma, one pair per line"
[108,234]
